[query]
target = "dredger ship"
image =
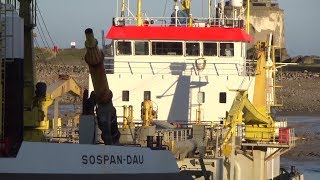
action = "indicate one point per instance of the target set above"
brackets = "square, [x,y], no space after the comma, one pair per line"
[186,102]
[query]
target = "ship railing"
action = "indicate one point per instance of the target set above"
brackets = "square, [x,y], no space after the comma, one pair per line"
[293,138]
[249,67]
[175,134]
[172,68]
[284,139]
[286,136]
[180,21]
[68,134]
[179,134]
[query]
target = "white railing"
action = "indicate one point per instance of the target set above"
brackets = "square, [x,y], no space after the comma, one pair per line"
[181,21]
[172,68]
[175,135]
[292,139]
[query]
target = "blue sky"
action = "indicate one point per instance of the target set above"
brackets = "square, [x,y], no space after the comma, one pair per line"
[66,20]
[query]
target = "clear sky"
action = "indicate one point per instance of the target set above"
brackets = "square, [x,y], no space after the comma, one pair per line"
[66,20]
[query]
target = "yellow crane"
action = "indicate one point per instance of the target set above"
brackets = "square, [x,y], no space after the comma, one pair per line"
[41,103]
[36,106]
[259,125]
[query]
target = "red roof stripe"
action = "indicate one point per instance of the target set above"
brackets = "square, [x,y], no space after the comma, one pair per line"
[178,33]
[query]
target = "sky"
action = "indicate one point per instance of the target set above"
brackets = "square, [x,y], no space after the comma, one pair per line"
[66,20]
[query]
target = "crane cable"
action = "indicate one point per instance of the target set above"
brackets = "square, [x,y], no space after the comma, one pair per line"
[42,37]
[44,24]
[165,8]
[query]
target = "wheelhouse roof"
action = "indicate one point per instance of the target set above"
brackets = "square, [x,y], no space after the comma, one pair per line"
[177,33]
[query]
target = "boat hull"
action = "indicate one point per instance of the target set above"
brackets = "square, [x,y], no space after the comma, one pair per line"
[161,176]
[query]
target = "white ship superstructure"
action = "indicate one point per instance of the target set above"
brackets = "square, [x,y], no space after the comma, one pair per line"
[181,69]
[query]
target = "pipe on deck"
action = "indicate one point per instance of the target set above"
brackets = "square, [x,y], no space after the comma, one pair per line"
[94,58]
[106,112]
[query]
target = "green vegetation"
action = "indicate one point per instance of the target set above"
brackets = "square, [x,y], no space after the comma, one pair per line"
[65,56]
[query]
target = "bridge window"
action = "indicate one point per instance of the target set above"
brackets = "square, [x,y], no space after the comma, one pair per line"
[141,48]
[210,49]
[125,95]
[167,48]
[223,97]
[124,48]
[226,49]
[192,49]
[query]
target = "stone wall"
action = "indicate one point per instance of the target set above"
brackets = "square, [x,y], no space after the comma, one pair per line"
[266,20]
[49,73]
[300,92]
[263,21]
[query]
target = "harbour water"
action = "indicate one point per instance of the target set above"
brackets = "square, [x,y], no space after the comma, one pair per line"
[310,169]
[306,155]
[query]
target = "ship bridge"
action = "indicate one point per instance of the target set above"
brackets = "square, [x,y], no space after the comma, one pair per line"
[177,65]
[223,49]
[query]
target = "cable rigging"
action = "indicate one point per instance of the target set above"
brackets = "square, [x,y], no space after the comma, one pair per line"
[45,26]
[41,31]
[42,37]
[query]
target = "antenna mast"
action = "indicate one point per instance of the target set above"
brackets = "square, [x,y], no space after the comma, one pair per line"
[209,10]
[139,13]
[122,8]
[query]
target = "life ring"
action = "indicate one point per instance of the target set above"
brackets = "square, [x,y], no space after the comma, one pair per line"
[202,66]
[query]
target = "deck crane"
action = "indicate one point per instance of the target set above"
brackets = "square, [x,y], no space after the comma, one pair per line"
[37,101]
[259,125]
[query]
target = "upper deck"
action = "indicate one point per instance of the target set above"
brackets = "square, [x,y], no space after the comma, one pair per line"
[211,29]
[178,33]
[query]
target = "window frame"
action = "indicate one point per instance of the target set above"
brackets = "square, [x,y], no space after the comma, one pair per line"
[125,95]
[194,42]
[233,49]
[210,42]
[116,48]
[225,98]
[134,48]
[158,41]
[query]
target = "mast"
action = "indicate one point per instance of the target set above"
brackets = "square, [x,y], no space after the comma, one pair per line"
[128,7]
[25,13]
[222,10]
[31,124]
[209,9]
[139,13]
[248,17]
[186,6]
[176,8]
[122,8]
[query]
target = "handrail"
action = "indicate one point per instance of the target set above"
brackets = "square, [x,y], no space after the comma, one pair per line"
[120,66]
[182,21]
